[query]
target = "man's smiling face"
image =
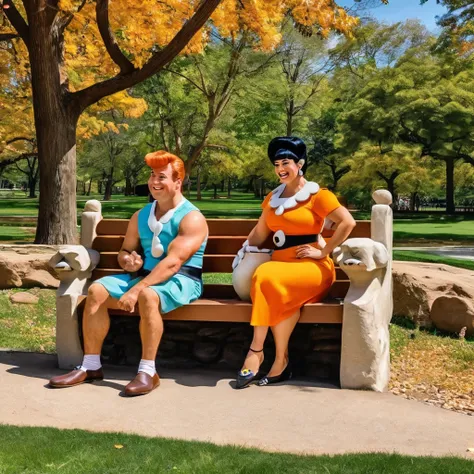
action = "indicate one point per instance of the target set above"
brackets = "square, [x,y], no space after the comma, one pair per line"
[161,183]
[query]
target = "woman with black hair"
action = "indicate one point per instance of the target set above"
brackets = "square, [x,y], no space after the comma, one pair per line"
[301,270]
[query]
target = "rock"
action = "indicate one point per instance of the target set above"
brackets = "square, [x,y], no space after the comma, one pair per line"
[324,332]
[24,298]
[234,354]
[328,346]
[26,266]
[167,349]
[452,313]
[215,332]
[325,358]
[417,285]
[206,352]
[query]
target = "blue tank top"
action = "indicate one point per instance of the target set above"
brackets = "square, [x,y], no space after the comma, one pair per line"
[167,235]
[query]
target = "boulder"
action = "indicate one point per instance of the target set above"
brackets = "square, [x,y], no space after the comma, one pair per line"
[432,293]
[24,298]
[452,313]
[26,266]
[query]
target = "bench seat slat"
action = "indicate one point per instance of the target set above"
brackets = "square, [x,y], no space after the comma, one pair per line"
[239,311]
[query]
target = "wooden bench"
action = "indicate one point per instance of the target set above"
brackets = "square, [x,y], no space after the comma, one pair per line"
[361,353]
[219,302]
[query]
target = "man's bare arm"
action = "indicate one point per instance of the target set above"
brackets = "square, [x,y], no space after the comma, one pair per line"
[128,257]
[192,233]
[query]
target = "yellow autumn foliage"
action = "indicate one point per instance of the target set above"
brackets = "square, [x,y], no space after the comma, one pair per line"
[140,29]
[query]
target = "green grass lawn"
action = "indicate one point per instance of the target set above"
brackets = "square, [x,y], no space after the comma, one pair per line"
[48,450]
[16,234]
[413,256]
[436,228]
[28,327]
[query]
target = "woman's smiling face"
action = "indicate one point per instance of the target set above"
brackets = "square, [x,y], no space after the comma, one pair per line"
[286,170]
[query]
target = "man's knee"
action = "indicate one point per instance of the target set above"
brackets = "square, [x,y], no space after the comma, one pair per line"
[97,295]
[148,301]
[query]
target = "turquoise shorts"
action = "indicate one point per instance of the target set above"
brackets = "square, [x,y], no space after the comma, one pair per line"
[178,291]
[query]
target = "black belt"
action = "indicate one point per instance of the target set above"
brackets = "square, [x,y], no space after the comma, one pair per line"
[295,240]
[186,270]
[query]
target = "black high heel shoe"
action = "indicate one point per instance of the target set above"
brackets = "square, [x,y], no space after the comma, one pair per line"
[285,375]
[246,376]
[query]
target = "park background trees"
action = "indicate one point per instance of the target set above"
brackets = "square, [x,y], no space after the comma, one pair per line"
[378,106]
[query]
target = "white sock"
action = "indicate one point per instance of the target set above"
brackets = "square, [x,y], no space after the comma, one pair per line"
[91,362]
[147,366]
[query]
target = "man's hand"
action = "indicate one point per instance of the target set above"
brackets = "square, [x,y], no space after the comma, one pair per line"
[307,251]
[128,301]
[131,262]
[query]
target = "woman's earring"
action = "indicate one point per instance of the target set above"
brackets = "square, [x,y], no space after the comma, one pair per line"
[300,172]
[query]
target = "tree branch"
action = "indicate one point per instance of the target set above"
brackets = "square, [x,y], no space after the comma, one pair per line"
[203,82]
[102,15]
[187,78]
[66,20]
[17,21]
[8,36]
[17,139]
[157,62]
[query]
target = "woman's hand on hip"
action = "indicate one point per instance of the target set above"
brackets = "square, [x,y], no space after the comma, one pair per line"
[308,251]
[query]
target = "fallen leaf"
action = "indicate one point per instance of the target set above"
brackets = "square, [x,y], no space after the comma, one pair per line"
[118,446]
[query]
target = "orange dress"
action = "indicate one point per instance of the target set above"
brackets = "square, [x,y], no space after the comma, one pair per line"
[283,285]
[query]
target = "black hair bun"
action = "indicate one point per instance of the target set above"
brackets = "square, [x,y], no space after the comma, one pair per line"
[288,147]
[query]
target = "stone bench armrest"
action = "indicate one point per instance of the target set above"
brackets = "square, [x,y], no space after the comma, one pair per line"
[74,265]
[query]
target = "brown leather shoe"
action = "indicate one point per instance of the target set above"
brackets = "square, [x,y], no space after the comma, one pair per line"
[142,384]
[76,377]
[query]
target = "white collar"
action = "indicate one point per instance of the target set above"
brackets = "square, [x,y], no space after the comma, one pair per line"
[156,226]
[282,204]
[152,221]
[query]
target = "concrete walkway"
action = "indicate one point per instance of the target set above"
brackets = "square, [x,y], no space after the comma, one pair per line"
[301,417]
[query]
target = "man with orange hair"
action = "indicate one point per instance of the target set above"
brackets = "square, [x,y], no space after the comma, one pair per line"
[172,234]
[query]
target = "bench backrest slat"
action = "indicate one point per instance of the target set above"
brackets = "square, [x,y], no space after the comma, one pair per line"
[220,227]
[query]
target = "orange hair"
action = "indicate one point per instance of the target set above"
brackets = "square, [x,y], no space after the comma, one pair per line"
[161,158]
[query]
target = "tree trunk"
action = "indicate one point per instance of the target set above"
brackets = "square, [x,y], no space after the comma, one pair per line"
[450,206]
[100,182]
[55,122]
[128,186]
[89,188]
[108,185]
[198,185]
[57,218]
[229,188]
[391,188]
[222,185]
[262,189]
[32,186]
[215,190]
[413,199]
[289,118]
[333,186]
[250,185]
[256,188]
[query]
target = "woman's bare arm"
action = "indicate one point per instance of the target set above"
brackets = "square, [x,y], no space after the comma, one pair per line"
[344,225]
[260,232]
